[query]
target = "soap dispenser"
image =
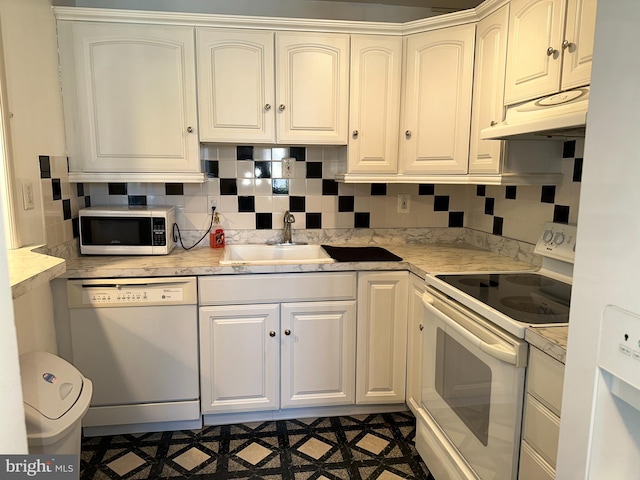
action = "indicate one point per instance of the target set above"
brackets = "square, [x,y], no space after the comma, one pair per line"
[216,237]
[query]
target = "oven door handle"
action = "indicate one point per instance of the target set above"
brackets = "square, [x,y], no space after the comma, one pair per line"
[497,351]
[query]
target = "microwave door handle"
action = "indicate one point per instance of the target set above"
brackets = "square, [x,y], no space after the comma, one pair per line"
[499,352]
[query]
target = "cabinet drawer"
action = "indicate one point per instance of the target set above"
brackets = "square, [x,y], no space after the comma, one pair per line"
[546,376]
[541,429]
[532,466]
[238,289]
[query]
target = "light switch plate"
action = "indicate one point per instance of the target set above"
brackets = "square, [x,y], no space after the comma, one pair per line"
[27,195]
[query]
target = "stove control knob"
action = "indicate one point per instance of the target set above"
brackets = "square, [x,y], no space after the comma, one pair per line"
[558,238]
[547,236]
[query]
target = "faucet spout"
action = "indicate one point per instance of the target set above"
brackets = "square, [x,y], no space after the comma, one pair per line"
[286,231]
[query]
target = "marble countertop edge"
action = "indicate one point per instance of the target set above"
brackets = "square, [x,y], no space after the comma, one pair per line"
[29,269]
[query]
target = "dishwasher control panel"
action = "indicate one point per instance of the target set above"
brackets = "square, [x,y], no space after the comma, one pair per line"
[119,296]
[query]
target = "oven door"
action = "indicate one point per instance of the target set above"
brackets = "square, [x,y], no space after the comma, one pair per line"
[473,384]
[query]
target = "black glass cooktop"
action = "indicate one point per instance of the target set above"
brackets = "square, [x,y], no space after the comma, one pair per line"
[525,297]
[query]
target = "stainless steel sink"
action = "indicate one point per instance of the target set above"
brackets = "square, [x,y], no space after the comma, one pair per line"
[274,254]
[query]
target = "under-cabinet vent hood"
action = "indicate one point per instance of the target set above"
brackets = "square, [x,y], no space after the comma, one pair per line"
[559,116]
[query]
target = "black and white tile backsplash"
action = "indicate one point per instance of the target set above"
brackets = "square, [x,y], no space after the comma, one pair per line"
[251,190]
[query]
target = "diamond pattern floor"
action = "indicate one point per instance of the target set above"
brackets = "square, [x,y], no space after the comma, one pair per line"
[379,446]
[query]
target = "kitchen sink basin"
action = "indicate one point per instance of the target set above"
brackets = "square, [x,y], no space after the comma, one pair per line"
[274,254]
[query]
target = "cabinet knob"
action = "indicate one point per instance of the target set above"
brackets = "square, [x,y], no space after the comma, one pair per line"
[190,129]
[493,123]
[355,134]
[272,333]
[287,332]
[551,51]
[267,107]
[407,134]
[421,327]
[567,44]
[281,107]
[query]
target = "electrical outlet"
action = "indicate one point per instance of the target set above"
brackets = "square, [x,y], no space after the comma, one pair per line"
[288,167]
[212,202]
[27,194]
[404,203]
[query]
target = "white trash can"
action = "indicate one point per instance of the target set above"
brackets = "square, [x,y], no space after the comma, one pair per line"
[56,398]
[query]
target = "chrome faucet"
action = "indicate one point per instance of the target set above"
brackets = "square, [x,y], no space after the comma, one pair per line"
[286,231]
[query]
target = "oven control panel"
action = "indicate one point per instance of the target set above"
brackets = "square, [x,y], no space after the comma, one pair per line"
[558,240]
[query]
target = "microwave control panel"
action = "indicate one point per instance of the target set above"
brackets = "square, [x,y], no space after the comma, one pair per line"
[159,232]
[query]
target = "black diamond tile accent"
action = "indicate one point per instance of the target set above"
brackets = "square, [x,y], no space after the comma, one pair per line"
[45,166]
[138,200]
[299,153]
[283,443]
[346,203]
[244,152]
[456,219]
[548,194]
[264,221]
[246,204]
[426,189]
[569,149]
[174,189]
[361,220]
[481,190]
[228,186]
[378,189]
[212,168]
[313,220]
[314,169]
[441,203]
[117,188]
[262,169]
[511,192]
[577,170]
[80,189]
[280,186]
[75,227]
[66,209]
[57,188]
[329,187]
[297,204]
[561,214]
[497,225]
[87,202]
[489,204]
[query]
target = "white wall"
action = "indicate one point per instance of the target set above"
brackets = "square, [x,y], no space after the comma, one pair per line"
[33,99]
[607,253]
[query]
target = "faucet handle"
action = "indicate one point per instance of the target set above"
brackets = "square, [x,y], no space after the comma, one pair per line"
[288,217]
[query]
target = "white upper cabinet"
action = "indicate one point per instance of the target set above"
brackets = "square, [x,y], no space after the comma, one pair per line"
[488,90]
[235,85]
[130,100]
[312,87]
[437,101]
[374,111]
[539,46]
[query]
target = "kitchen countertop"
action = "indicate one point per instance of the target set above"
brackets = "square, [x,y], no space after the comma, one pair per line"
[29,269]
[551,340]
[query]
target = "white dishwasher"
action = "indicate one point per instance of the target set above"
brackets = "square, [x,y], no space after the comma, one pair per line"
[137,340]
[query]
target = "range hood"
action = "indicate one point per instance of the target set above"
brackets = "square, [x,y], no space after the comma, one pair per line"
[559,116]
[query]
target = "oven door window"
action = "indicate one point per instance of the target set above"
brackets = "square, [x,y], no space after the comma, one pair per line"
[131,231]
[464,382]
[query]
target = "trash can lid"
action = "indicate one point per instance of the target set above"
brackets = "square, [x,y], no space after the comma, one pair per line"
[50,384]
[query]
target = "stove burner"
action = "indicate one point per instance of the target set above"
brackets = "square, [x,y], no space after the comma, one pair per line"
[479,282]
[529,305]
[530,280]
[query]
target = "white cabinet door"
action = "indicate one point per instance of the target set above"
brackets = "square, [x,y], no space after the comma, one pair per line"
[414,342]
[318,354]
[312,86]
[488,90]
[578,43]
[235,85]
[134,89]
[382,337]
[534,49]
[374,111]
[239,362]
[437,101]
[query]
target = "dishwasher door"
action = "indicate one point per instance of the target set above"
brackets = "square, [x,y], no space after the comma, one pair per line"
[137,340]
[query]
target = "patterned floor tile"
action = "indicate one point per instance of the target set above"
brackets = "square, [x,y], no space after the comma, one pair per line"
[362,447]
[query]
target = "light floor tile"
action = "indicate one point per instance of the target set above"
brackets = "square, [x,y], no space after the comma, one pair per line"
[372,444]
[254,453]
[126,463]
[191,458]
[314,448]
[387,475]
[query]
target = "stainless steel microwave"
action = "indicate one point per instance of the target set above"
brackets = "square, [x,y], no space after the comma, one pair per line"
[139,230]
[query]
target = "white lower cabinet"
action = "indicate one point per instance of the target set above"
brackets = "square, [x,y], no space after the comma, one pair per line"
[296,351]
[382,337]
[415,327]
